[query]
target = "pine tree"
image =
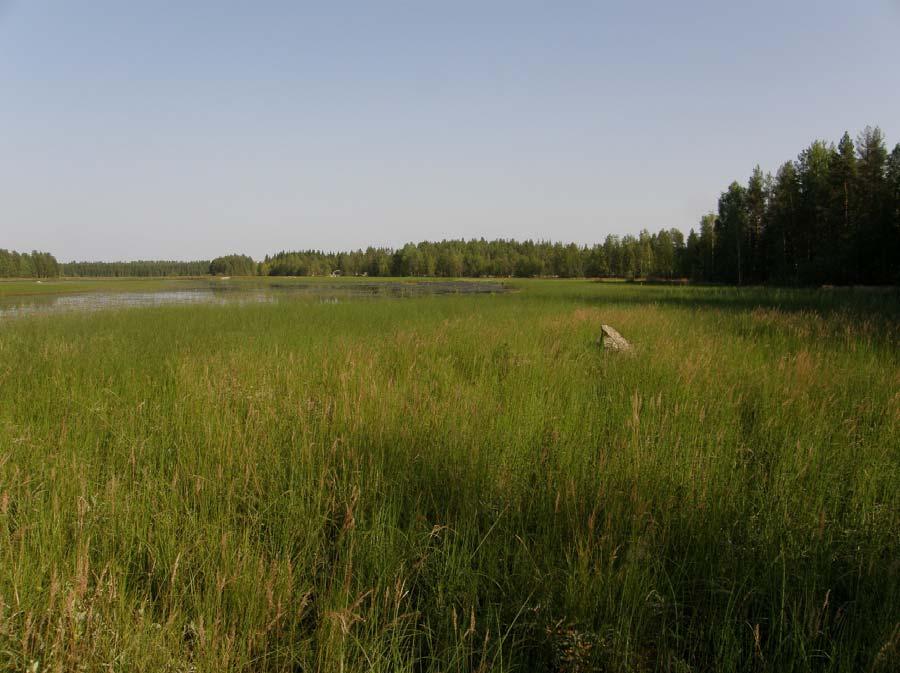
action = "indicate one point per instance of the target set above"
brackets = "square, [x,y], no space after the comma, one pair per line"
[732,233]
[756,214]
[839,254]
[692,267]
[708,247]
[812,223]
[781,230]
[893,195]
[873,233]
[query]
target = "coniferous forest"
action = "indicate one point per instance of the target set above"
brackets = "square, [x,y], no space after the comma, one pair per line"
[140,268]
[27,265]
[830,216]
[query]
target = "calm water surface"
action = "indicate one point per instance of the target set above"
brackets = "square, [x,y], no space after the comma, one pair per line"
[18,306]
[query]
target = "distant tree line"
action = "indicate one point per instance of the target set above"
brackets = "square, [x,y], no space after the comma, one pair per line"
[27,265]
[141,268]
[830,216]
[628,256]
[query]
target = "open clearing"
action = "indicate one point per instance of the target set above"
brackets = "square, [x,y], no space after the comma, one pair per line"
[452,482]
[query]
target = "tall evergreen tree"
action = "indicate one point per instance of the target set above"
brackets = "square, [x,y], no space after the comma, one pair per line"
[893,213]
[731,235]
[664,254]
[781,230]
[812,228]
[756,214]
[873,232]
[708,245]
[839,255]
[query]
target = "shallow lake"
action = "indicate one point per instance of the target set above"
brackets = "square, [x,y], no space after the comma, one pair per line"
[235,293]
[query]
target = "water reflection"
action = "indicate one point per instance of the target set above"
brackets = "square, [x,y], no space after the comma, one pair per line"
[327,293]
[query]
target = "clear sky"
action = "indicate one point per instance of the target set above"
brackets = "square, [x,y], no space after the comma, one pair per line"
[192,128]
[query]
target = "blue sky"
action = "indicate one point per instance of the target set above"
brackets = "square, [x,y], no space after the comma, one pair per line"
[195,128]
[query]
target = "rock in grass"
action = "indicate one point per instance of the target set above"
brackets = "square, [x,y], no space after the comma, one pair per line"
[612,340]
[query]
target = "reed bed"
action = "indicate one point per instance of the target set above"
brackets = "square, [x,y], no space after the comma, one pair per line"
[455,484]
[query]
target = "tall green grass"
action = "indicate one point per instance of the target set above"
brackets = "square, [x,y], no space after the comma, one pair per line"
[455,484]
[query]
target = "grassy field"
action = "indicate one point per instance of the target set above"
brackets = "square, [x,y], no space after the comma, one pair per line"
[455,484]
